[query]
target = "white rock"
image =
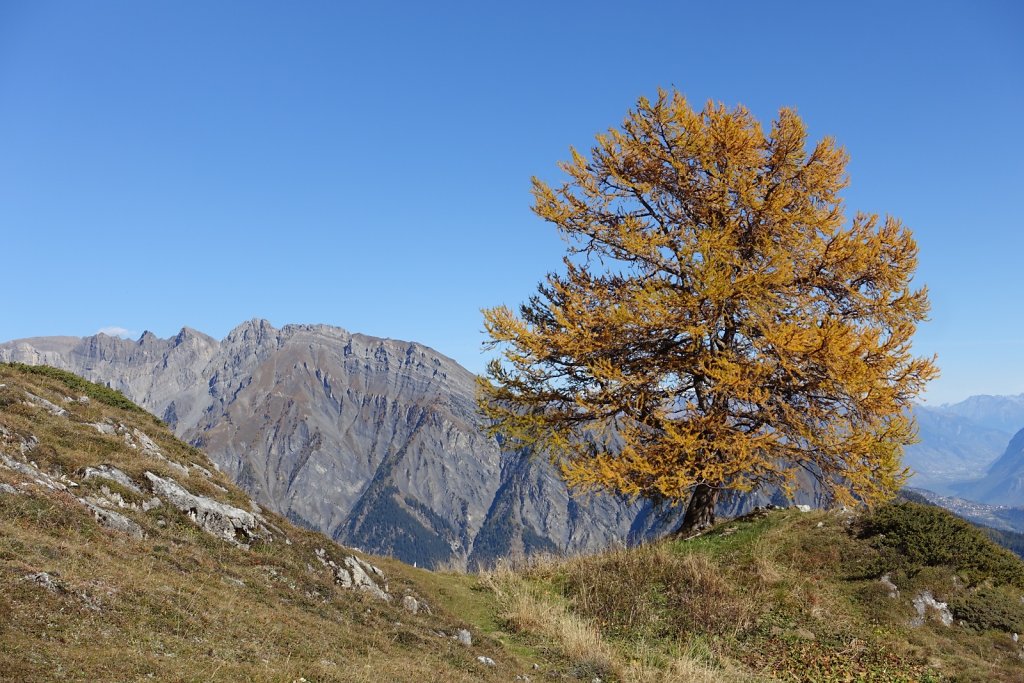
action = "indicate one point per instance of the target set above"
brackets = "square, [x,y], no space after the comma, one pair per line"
[925,600]
[464,637]
[25,446]
[103,428]
[803,508]
[886,581]
[486,661]
[138,440]
[219,519]
[41,402]
[32,470]
[411,604]
[205,472]
[361,572]
[115,520]
[356,574]
[113,474]
[46,581]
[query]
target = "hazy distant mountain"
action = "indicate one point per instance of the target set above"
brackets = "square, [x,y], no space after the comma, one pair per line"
[373,441]
[1004,483]
[953,449]
[1004,413]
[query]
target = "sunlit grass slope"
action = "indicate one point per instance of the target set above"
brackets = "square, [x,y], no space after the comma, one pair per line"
[777,596]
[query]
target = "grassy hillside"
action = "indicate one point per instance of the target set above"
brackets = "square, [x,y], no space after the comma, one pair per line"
[777,596]
[180,604]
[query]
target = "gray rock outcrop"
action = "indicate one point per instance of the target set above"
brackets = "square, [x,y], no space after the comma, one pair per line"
[219,519]
[925,601]
[41,402]
[110,474]
[115,520]
[356,574]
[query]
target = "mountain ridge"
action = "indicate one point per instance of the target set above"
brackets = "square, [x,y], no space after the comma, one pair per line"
[375,442]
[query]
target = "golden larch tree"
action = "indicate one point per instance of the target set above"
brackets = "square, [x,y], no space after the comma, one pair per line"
[719,324]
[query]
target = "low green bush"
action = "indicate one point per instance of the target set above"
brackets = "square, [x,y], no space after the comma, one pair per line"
[910,536]
[990,607]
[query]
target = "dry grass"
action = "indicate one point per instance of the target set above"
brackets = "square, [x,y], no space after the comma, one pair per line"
[529,609]
[778,596]
[526,611]
[181,605]
[656,591]
[786,596]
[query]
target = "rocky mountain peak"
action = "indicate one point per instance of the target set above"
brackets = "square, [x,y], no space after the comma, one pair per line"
[376,442]
[256,331]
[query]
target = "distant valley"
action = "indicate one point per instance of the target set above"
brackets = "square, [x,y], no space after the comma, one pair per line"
[960,442]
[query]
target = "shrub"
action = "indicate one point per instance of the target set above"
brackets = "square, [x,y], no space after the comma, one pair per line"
[910,536]
[990,607]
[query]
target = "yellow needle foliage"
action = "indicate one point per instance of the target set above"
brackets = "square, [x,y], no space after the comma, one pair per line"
[719,324]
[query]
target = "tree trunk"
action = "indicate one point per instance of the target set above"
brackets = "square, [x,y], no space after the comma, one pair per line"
[700,511]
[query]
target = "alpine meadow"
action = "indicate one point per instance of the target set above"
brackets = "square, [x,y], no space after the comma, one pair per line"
[719,325]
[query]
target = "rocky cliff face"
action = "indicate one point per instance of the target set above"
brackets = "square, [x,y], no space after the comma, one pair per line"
[373,441]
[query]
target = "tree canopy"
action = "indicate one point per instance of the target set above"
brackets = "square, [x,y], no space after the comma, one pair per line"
[718,324]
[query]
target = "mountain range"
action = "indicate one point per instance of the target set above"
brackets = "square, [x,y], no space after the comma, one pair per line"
[378,443]
[375,442]
[953,449]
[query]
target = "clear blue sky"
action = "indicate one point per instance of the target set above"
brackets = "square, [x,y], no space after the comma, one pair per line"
[367,165]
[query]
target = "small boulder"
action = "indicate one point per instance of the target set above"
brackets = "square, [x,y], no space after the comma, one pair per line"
[925,601]
[103,428]
[361,572]
[115,520]
[356,573]
[47,581]
[411,604]
[886,581]
[486,661]
[464,637]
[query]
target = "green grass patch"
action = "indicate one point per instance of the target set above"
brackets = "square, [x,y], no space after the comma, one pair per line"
[73,382]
